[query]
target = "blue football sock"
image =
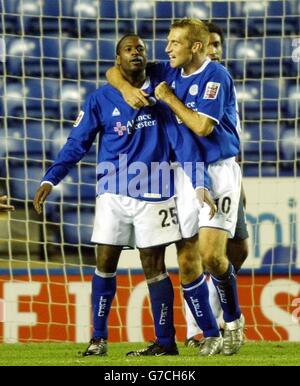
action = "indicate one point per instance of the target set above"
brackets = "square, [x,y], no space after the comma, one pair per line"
[196,295]
[104,287]
[227,291]
[162,301]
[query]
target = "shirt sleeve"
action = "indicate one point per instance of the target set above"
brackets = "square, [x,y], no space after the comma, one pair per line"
[161,72]
[81,138]
[214,95]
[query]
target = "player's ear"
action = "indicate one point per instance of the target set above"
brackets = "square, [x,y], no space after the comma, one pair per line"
[118,61]
[197,46]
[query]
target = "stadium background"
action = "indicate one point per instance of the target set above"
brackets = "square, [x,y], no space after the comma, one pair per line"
[53,53]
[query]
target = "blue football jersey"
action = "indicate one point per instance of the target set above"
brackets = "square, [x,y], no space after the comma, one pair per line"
[133,152]
[210,91]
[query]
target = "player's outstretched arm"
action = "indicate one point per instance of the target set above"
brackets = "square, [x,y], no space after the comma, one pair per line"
[4,207]
[198,123]
[135,97]
[40,196]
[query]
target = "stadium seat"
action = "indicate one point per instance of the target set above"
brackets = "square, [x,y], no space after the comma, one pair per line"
[274,26]
[250,169]
[246,49]
[142,9]
[270,103]
[145,28]
[58,139]
[23,57]
[80,18]
[162,29]
[272,48]
[248,8]
[14,100]
[80,8]
[24,179]
[78,227]
[292,7]
[71,98]
[31,12]
[269,141]
[292,26]
[275,8]
[220,9]
[255,26]
[107,49]
[160,53]
[290,144]
[293,100]
[51,57]
[163,10]
[248,96]
[198,9]
[272,68]
[80,59]
[51,8]
[107,9]
[250,142]
[124,8]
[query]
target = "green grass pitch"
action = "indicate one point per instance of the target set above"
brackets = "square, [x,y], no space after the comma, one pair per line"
[68,354]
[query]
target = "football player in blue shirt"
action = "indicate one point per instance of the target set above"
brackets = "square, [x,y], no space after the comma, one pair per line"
[237,247]
[128,211]
[201,95]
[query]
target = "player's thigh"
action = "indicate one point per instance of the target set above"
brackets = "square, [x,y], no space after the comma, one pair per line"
[212,244]
[226,184]
[113,220]
[156,224]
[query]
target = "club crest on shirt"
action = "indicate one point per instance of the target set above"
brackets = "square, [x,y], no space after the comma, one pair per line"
[211,90]
[78,119]
[193,89]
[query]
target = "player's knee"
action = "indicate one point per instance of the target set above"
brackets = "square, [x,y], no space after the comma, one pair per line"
[153,262]
[213,262]
[244,250]
[237,253]
[189,265]
[107,259]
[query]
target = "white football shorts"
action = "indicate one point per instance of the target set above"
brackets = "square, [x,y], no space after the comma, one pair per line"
[126,221]
[225,178]
[187,204]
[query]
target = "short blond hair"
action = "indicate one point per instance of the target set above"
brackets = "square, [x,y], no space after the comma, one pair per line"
[198,30]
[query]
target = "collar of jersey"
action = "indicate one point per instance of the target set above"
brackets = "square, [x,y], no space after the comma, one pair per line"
[202,68]
[146,83]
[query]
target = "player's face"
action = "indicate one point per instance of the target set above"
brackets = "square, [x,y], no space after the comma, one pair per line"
[132,54]
[215,49]
[179,48]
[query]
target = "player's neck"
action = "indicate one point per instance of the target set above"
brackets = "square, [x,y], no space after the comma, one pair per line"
[194,65]
[136,79]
